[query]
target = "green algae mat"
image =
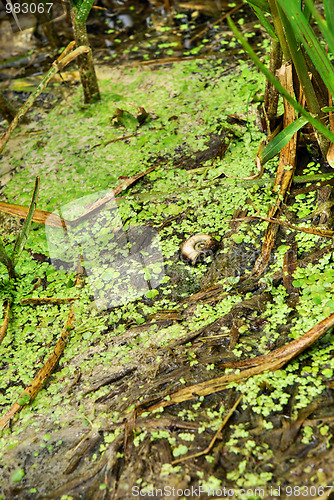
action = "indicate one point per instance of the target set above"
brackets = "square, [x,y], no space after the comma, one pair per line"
[92,432]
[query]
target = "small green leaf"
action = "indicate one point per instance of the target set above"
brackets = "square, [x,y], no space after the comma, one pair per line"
[238,238]
[24,399]
[18,475]
[280,140]
[110,274]
[150,294]
[173,209]
[180,450]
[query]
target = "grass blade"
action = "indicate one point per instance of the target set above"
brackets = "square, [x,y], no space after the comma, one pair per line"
[307,10]
[316,123]
[261,4]
[326,27]
[280,140]
[23,236]
[300,65]
[329,15]
[265,23]
[306,36]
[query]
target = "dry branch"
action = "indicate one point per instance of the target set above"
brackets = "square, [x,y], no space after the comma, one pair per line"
[273,361]
[284,175]
[54,220]
[214,439]
[42,375]
[65,58]
[4,326]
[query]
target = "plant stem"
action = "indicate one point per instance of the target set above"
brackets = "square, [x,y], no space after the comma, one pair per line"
[279,29]
[271,95]
[85,61]
[304,79]
[84,11]
[7,261]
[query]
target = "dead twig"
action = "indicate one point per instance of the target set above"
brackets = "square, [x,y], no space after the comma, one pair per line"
[169,60]
[116,139]
[47,300]
[82,449]
[65,58]
[273,361]
[4,326]
[111,194]
[219,21]
[284,175]
[325,233]
[109,458]
[108,380]
[42,375]
[214,439]
[54,220]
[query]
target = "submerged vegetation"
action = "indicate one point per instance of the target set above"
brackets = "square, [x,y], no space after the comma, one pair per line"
[188,382]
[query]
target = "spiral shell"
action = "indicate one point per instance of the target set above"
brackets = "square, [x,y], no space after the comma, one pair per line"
[198,244]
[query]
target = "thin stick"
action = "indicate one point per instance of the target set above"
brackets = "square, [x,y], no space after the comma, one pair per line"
[42,375]
[52,219]
[214,439]
[219,21]
[273,361]
[47,300]
[65,58]
[325,233]
[4,326]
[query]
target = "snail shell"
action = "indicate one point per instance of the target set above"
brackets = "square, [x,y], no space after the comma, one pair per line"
[198,244]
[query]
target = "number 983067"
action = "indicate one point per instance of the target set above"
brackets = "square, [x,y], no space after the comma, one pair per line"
[27,8]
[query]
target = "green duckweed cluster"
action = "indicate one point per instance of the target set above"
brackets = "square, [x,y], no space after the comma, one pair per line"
[78,152]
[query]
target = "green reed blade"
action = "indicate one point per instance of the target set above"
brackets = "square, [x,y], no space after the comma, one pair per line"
[280,140]
[23,236]
[316,123]
[265,23]
[329,15]
[261,4]
[306,35]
